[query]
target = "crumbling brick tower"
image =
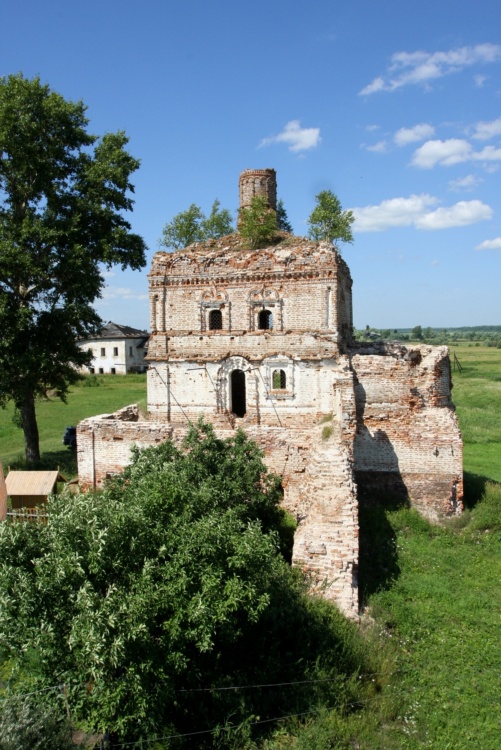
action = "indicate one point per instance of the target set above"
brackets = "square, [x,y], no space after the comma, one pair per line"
[254,182]
[261,339]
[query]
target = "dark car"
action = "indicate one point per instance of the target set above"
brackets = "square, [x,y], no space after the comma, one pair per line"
[70,437]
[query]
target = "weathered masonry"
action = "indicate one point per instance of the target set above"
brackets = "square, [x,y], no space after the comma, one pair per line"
[262,340]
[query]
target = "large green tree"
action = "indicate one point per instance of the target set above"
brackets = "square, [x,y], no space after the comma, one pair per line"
[328,221]
[63,196]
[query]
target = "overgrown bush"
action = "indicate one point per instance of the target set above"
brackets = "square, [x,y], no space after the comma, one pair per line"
[26,725]
[486,516]
[148,598]
[258,222]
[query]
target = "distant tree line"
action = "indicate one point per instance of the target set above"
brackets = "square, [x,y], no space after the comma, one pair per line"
[482,335]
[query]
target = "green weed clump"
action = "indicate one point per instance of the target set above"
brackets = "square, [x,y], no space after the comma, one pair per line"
[326,418]
[486,516]
[327,432]
[91,381]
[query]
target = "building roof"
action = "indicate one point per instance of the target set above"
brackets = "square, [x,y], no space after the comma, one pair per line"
[32,482]
[116,331]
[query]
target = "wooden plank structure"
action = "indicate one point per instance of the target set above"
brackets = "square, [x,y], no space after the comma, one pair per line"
[3,495]
[28,489]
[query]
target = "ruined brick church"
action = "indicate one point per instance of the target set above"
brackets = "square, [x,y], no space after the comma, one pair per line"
[262,340]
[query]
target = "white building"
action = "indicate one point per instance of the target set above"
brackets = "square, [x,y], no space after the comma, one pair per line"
[116,350]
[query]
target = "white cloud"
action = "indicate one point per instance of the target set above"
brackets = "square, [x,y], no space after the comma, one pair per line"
[414,211]
[446,153]
[479,80]
[490,244]
[410,135]
[379,147]
[372,88]
[460,215]
[486,130]
[408,68]
[395,212]
[452,151]
[489,153]
[469,182]
[297,138]
[371,128]
[115,292]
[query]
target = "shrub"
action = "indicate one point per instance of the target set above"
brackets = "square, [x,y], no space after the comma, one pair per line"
[487,514]
[24,725]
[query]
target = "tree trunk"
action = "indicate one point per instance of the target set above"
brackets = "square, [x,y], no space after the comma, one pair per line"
[30,429]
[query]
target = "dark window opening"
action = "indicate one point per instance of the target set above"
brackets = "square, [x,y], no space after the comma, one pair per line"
[113,371]
[215,320]
[103,352]
[265,320]
[115,351]
[237,384]
[279,379]
[91,370]
[101,371]
[130,351]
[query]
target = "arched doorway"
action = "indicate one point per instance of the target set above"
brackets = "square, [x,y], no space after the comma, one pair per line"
[237,393]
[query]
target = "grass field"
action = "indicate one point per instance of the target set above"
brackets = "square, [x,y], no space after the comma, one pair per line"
[435,620]
[477,395]
[94,395]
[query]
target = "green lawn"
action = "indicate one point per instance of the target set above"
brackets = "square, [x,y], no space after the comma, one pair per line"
[477,395]
[94,395]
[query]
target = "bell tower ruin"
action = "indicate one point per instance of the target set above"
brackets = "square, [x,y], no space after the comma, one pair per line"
[254,182]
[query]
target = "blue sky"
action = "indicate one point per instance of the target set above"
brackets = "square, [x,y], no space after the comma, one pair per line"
[394,106]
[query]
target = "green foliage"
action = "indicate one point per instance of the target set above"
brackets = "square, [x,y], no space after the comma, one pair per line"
[417,333]
[192,226]
[172,580]
[258,222]
[26,725]
[283,222]
[328,221]
[327,431]
[184,229]
[63,199]
[486,516]
[218,223]
[91,381]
